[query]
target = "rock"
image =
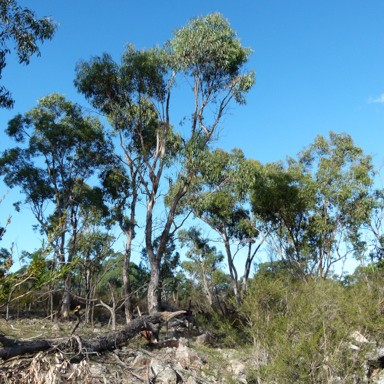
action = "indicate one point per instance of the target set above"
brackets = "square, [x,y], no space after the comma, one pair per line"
[56,327]
[203,339]
[162,373]
[98,369]
[379,378]
[183,342]
[140,360]
[187,357]
[357,336]
[377,355]
[230,353]
[237,367]
[353,346]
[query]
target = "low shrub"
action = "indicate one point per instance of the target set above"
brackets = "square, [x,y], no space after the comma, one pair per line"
[303,331]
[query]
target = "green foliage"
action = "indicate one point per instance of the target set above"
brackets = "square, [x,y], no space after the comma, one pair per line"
[36,273]
[314,203]
[303,332]
[20,25]
[203,259]
[280,269]
[93,247]
[202,264]
[71,146]
[138,276]
[208,49]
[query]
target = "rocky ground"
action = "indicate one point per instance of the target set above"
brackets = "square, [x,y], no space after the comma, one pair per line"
[186,358]
[181,355]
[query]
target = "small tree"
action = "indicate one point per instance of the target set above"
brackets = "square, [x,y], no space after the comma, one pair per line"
[64,149]
[121,191]
[219,197]
[203,259]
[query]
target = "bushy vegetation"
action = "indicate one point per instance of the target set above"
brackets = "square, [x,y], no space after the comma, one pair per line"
[314,211]
[308,331]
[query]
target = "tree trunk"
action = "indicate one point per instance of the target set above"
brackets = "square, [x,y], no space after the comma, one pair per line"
[127,284]
[87,296]
[67,285]
[129,233]
[206,285]
[232,270]
[9,299]
[66,297]
[248,264]
[99,343]
[153,298]
[112,309]
[51,287]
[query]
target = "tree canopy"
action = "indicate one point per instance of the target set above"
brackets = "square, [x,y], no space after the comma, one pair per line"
[21,26]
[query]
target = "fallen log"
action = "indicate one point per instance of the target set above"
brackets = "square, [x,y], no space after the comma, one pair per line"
[100,343]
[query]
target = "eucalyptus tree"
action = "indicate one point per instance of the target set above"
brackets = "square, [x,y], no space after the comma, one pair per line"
[23,27]
[122,193]
[220,198]
[315,206]
[93,248]
[136,97]
[94,242]
[169,279]
[64,149]
[372,245]
[203,259]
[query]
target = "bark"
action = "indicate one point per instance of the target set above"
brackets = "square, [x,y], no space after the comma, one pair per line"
[87,294]
[103,342]
[206,285]
[67,284]
[248,265]
[232,269]
[153,298]
[112,309]
[9,299]
[78,319]
[154,301]
[51,287]
[127,289]
[66,297]
[129,233]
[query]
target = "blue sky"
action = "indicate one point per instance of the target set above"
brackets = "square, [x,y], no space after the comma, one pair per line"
[319,67]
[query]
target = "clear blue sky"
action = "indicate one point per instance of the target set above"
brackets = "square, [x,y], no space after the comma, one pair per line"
[319,67]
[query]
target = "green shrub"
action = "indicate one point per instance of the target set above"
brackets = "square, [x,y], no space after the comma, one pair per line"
[302,332]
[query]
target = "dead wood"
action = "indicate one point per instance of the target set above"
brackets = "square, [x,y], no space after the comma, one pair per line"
[12,348]
[100,343]
[77,314]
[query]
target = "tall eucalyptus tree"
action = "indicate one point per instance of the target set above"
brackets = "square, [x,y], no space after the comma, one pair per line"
[136,97]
